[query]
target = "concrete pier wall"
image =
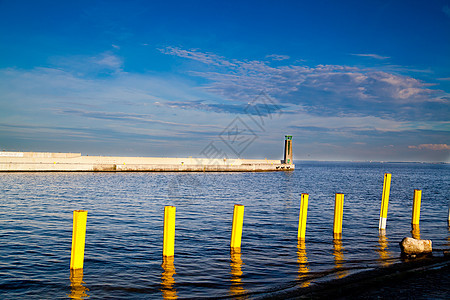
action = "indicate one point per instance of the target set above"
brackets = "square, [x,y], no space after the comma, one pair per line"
[75,162]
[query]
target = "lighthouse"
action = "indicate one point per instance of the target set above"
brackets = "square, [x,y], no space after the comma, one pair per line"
[288,149]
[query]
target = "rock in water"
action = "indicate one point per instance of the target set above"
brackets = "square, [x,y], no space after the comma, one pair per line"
[411,246]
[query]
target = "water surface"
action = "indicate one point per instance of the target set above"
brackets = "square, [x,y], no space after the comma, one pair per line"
[123,255]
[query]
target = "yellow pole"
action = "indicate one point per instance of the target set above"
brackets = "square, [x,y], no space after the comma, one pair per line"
[78,239]
[167,280]
[169,231]
[302,261]
[236,263]
[448,216]
[238,220]
[415,232]
[383,249]
[77,289]
[385,201]
[302,217]
[338,213]
[416,207]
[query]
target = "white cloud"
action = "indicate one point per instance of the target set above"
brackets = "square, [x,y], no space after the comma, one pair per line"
[371,55]
[127,117]
[321,89]
[204,57]
[344,102]
[277,57]
[435,147]
[109,60]
[50,95]
[82,64]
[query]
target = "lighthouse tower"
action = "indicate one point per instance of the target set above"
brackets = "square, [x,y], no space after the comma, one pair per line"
[288,150]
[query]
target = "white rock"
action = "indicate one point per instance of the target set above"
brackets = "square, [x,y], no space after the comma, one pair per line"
[411,246]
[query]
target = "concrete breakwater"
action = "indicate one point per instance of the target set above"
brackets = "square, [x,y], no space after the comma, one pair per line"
[75,162]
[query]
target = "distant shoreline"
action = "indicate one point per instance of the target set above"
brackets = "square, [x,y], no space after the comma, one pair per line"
[372,161]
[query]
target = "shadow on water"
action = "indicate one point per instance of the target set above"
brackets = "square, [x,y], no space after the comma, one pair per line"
[77,289]
[167,280]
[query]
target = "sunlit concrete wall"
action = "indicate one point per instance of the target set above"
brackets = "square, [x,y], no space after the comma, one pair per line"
[46,161]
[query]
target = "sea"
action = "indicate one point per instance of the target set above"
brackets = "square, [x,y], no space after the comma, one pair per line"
[124,234]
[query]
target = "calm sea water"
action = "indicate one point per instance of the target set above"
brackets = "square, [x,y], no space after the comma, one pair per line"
[123,255]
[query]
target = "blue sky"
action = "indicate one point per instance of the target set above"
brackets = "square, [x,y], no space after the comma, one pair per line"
[349,80]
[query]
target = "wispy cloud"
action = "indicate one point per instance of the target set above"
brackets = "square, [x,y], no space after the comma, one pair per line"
[105,62]
[109,60]
[127,117]
[129,103]
[194,54]
[370,55]
[324,89]
[95,140]
[345,104]
[278,57]
[238,108]
[435,147]
[446,10]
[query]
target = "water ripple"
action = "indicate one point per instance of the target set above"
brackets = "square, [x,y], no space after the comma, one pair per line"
[123,255]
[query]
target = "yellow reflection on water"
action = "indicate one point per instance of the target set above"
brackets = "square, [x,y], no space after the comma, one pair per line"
[302,261]
[383,245]
[167,280]
[448,236]
[77,290]
[339,256]
[236,288]
[415,232]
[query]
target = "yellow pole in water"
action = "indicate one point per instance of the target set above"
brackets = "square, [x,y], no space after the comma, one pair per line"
[385,201]
[302,261]
[77,289]
[238,220]
[448,216]
[236,263]
[415,231]
[78,239]
[169,231]
[382,249]
[167,280]
[416,207]
[339,258]
[302,217]
[338,213]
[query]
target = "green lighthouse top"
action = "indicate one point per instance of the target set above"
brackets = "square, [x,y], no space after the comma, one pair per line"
[288,137]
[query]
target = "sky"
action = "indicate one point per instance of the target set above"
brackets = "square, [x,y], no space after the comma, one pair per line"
[349,80]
